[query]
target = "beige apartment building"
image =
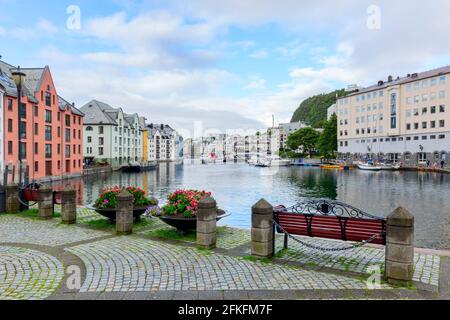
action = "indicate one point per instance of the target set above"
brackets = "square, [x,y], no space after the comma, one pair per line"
[401,120]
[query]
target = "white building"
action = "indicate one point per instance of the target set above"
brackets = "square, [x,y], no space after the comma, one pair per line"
[278,136]
[331,111]
[163,143]
[111,135]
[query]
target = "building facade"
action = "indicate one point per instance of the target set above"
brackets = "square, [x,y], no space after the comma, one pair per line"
[111,136]
[163,143]
[401,120]
[331,111]
[50,135]
[278,136]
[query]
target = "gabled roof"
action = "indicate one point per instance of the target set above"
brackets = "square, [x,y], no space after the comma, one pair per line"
[97,112]
[8,84]
[33,79]
[63,105]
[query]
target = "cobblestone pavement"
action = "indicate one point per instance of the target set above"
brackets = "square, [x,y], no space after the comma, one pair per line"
[34,253]
[132,264]
[15,229]
[427,267]
[28,274]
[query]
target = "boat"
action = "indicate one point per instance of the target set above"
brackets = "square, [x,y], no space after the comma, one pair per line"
[279,162]
[149,166]
[368,167]
[330,166]
[390,167]
[132,167]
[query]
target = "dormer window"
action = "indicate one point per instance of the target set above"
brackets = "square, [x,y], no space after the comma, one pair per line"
[48,99]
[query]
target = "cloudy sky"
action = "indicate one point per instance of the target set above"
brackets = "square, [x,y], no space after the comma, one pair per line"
[230,64]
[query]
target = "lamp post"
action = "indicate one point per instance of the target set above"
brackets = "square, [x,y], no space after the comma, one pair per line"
[18,77]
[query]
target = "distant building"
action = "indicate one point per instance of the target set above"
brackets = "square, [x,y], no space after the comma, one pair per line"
[331,111]
[278,136]
[403,119]
[163,143]
[111,135]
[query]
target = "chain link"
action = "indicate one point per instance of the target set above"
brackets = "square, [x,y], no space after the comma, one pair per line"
[311,246]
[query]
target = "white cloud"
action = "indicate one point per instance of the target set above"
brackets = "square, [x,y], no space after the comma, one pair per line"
[256,83]
[46,26]
[261,54]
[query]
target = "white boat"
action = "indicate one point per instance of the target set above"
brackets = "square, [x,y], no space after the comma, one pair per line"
[369,167]
[390,167]
[278,162]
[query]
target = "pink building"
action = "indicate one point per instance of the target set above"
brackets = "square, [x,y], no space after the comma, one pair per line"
[51,129]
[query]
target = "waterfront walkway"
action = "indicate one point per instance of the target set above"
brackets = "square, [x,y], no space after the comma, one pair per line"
[157,263]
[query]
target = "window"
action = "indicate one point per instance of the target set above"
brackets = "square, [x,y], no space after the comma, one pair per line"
[393,110]
[432,137]
[442,80]
[416,126]
[23,130]
[416,85]
[74,149]
[424,125]
[59,132]
[416,112]
[433,124]
[424,111]
[433,109]
[23,150]
[89,139]
[442,136]
[441,94]
[441,123]
[58,116]
[79,134]
[74,134]
[409,100]
[416,138]
[36,111]
[36,166]
[79,149]
[23,111]
[48,151]
[433,82]
[68,151]
[100,130]
[433,96]
[408,138]
[425,98]
[48,133]
[36,148]
[74,120]
[381,93]
[67,135]
[408,126]
[68,120]
[10,104]
[59,148]
[100,151]
[425,84]
[424,137]
[102,140]
[10,125]
[442,108]
[48,116]
[36,129]
[48,99]
[89,129]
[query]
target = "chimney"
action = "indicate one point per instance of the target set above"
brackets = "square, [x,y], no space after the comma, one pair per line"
[390,79]
[380,83]
[409,75]
[414,75]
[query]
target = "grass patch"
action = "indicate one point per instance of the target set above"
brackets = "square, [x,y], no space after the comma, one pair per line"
[34,213]
[253,259]
[172,234]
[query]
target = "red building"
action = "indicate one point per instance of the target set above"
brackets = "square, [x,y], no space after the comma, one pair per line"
[51,129]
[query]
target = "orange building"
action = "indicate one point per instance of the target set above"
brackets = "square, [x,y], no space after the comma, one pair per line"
[51,129]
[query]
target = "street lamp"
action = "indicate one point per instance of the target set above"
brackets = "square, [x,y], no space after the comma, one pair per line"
[18,77]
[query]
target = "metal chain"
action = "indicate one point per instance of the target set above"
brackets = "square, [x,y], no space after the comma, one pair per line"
[311,246]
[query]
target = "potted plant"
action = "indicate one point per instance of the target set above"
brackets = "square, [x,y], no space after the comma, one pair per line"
[106,203]
[181,209]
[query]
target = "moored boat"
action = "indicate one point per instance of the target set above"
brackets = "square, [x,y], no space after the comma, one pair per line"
[369,167]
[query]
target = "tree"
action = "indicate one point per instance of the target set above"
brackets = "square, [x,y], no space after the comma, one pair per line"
[306,138]
[328,143]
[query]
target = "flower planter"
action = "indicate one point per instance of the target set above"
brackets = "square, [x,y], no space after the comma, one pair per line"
[187,224]
[111,213]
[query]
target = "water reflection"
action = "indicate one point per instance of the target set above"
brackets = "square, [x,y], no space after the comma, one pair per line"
[238,187]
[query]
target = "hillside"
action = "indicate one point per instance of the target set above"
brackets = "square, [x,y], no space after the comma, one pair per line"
[313,111]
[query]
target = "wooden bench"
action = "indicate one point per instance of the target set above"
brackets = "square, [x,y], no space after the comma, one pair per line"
[330,220]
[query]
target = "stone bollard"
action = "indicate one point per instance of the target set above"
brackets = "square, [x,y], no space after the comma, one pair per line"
[206,223]
[399,267]
[12,198]
[124,213]
[45,204]
[69,207]
[262,230]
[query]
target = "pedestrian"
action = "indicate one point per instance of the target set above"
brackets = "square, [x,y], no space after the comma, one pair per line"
[442,164]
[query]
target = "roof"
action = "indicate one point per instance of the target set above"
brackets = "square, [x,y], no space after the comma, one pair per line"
[63,105]
[399,81]
[165,130]
[8,84]
[97,112]
[33,79]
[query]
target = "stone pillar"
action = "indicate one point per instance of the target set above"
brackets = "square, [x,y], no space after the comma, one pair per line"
[12,198]
[262,230]
[206,223]
[124,213]
[400,247]
[45,203]
[69,206]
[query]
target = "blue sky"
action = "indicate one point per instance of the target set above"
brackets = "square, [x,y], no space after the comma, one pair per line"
[229,64]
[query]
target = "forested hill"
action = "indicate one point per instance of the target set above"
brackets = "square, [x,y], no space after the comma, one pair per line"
[313,111]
